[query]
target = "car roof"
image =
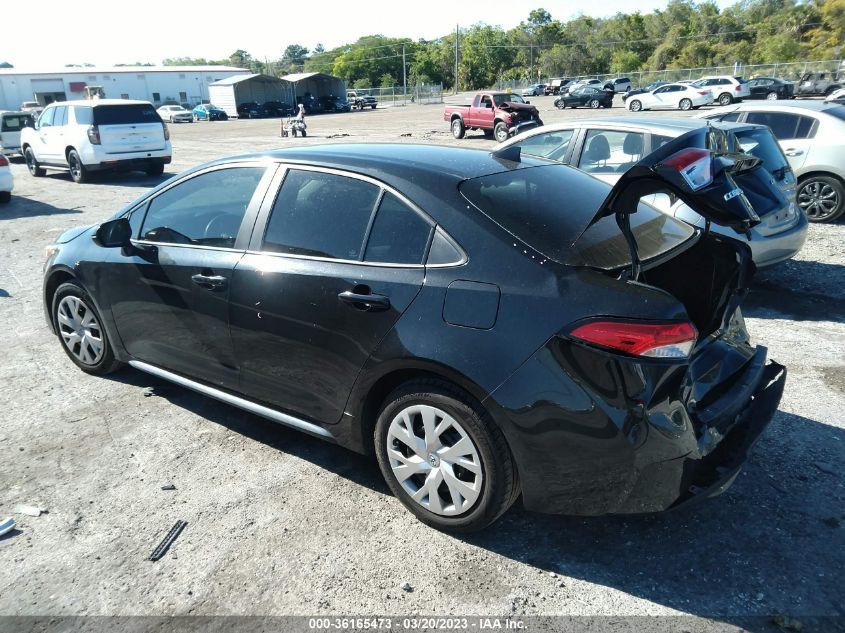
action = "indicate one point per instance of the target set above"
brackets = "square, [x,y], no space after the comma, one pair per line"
[781,106]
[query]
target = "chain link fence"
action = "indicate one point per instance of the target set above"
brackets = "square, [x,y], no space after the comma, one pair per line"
[395,95]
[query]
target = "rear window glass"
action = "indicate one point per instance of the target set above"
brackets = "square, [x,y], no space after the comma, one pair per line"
[15,122]
[549,207]
[125,114]
[762,144]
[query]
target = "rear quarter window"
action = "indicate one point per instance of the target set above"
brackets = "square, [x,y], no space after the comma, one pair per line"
[125,114]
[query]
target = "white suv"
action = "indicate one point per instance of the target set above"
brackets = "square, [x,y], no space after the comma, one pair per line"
[86,136]
[725,89]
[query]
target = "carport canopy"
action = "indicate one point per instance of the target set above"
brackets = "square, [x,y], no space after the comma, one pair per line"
[317,84]
[229,93]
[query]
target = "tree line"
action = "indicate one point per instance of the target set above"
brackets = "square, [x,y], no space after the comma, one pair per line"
[685,34]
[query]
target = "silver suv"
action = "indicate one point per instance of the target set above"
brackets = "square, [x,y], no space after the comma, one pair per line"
[811,135]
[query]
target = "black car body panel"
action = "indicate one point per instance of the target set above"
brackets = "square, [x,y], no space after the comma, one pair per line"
[591,431]
[584,96]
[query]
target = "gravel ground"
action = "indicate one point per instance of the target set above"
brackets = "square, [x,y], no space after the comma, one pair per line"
[280,523]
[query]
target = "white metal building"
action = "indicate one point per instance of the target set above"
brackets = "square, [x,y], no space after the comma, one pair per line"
[229,93]
[157,84]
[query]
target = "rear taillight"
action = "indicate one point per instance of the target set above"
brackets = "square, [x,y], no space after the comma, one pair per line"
[94,135]
[652,340]
[703,93]
[166,131]
[695,165]
[737,88]
[4,162]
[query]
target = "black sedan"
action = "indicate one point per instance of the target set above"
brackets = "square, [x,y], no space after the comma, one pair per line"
[586,96]
[249,110]
[486,325]
[276,109]
[771,88]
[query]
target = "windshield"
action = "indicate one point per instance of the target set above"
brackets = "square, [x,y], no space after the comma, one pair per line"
[549,207]
[510,98]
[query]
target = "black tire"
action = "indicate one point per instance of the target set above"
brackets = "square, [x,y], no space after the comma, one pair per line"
[155,170]
[488,134]
[5,196]
[32,163]
[561,105]
[304,133]
[106,363]
[500,482]
[77,170]
[594,104]
[374,106]
[685,104]
[822,198]
[772,96]
[725,99]
[500,131]
[635,106]
[458,129]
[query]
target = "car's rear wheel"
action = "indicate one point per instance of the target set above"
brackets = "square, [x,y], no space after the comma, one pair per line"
[77,170]
[685,104]
[725,99]
[458,129]
[81,332]
[443,457]
[32,163]
[561,105]
[635,106]
[500,131]
[594,104]
[772,96]
[822,198]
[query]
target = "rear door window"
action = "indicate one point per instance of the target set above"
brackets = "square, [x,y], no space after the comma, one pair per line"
[399,235]
[785,126]
[125,114]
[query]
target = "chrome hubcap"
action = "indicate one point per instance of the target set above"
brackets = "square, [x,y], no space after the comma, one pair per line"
[434,460]
[80,330]
[818,199]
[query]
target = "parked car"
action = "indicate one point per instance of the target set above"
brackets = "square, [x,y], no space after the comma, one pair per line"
[648,88]
[11,124]
[310,103]
[620,84]
[249,110]
[812,84]
[811,135]
[583,374]
[673,96]
[585,96]
[609,147]
[276,109]
[87,136]
[330,103]
[175,114]
[837,96]
[499,114]
[724,88]
[534,90]
[209,112]
[583,82]
[32,106]
[7,181]
[557,85]
[771,88]
[360,102]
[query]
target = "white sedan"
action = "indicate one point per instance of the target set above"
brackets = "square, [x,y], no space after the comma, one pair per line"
[175,114]
[837,96]
[673,96]
[6,181]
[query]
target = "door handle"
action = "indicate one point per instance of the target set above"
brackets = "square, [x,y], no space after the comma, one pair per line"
[210,282]
[366,302]
[793,152]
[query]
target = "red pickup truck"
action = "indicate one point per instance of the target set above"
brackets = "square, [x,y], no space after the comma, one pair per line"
[499,114]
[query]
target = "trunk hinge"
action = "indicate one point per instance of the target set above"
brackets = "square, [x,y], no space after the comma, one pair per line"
[624,222]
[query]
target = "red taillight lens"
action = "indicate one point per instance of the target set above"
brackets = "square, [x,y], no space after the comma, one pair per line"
[737,88]
[166,131]
[653,340]
[94,135]
[4,162]
[695,165]
[703,93]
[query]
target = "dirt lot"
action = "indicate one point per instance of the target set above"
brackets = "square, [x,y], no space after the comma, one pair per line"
[280,523]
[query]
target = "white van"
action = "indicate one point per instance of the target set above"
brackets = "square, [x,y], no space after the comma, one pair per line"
[86,136]
[11,124]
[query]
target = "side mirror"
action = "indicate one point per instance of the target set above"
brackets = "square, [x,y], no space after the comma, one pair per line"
[114,233]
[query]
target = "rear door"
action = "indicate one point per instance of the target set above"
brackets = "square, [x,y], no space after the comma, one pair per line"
[333,263]
[130,128]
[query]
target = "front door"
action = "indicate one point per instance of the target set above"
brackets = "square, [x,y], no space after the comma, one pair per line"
[339,262]
[170,296]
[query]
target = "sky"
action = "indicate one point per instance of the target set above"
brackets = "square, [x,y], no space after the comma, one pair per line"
[108,32]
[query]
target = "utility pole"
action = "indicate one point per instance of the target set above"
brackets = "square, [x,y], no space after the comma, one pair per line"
[457,37]
[404,77]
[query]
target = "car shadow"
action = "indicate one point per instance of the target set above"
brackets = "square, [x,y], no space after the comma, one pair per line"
[800,290]
[358,468]
[764,548]
[23,207]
